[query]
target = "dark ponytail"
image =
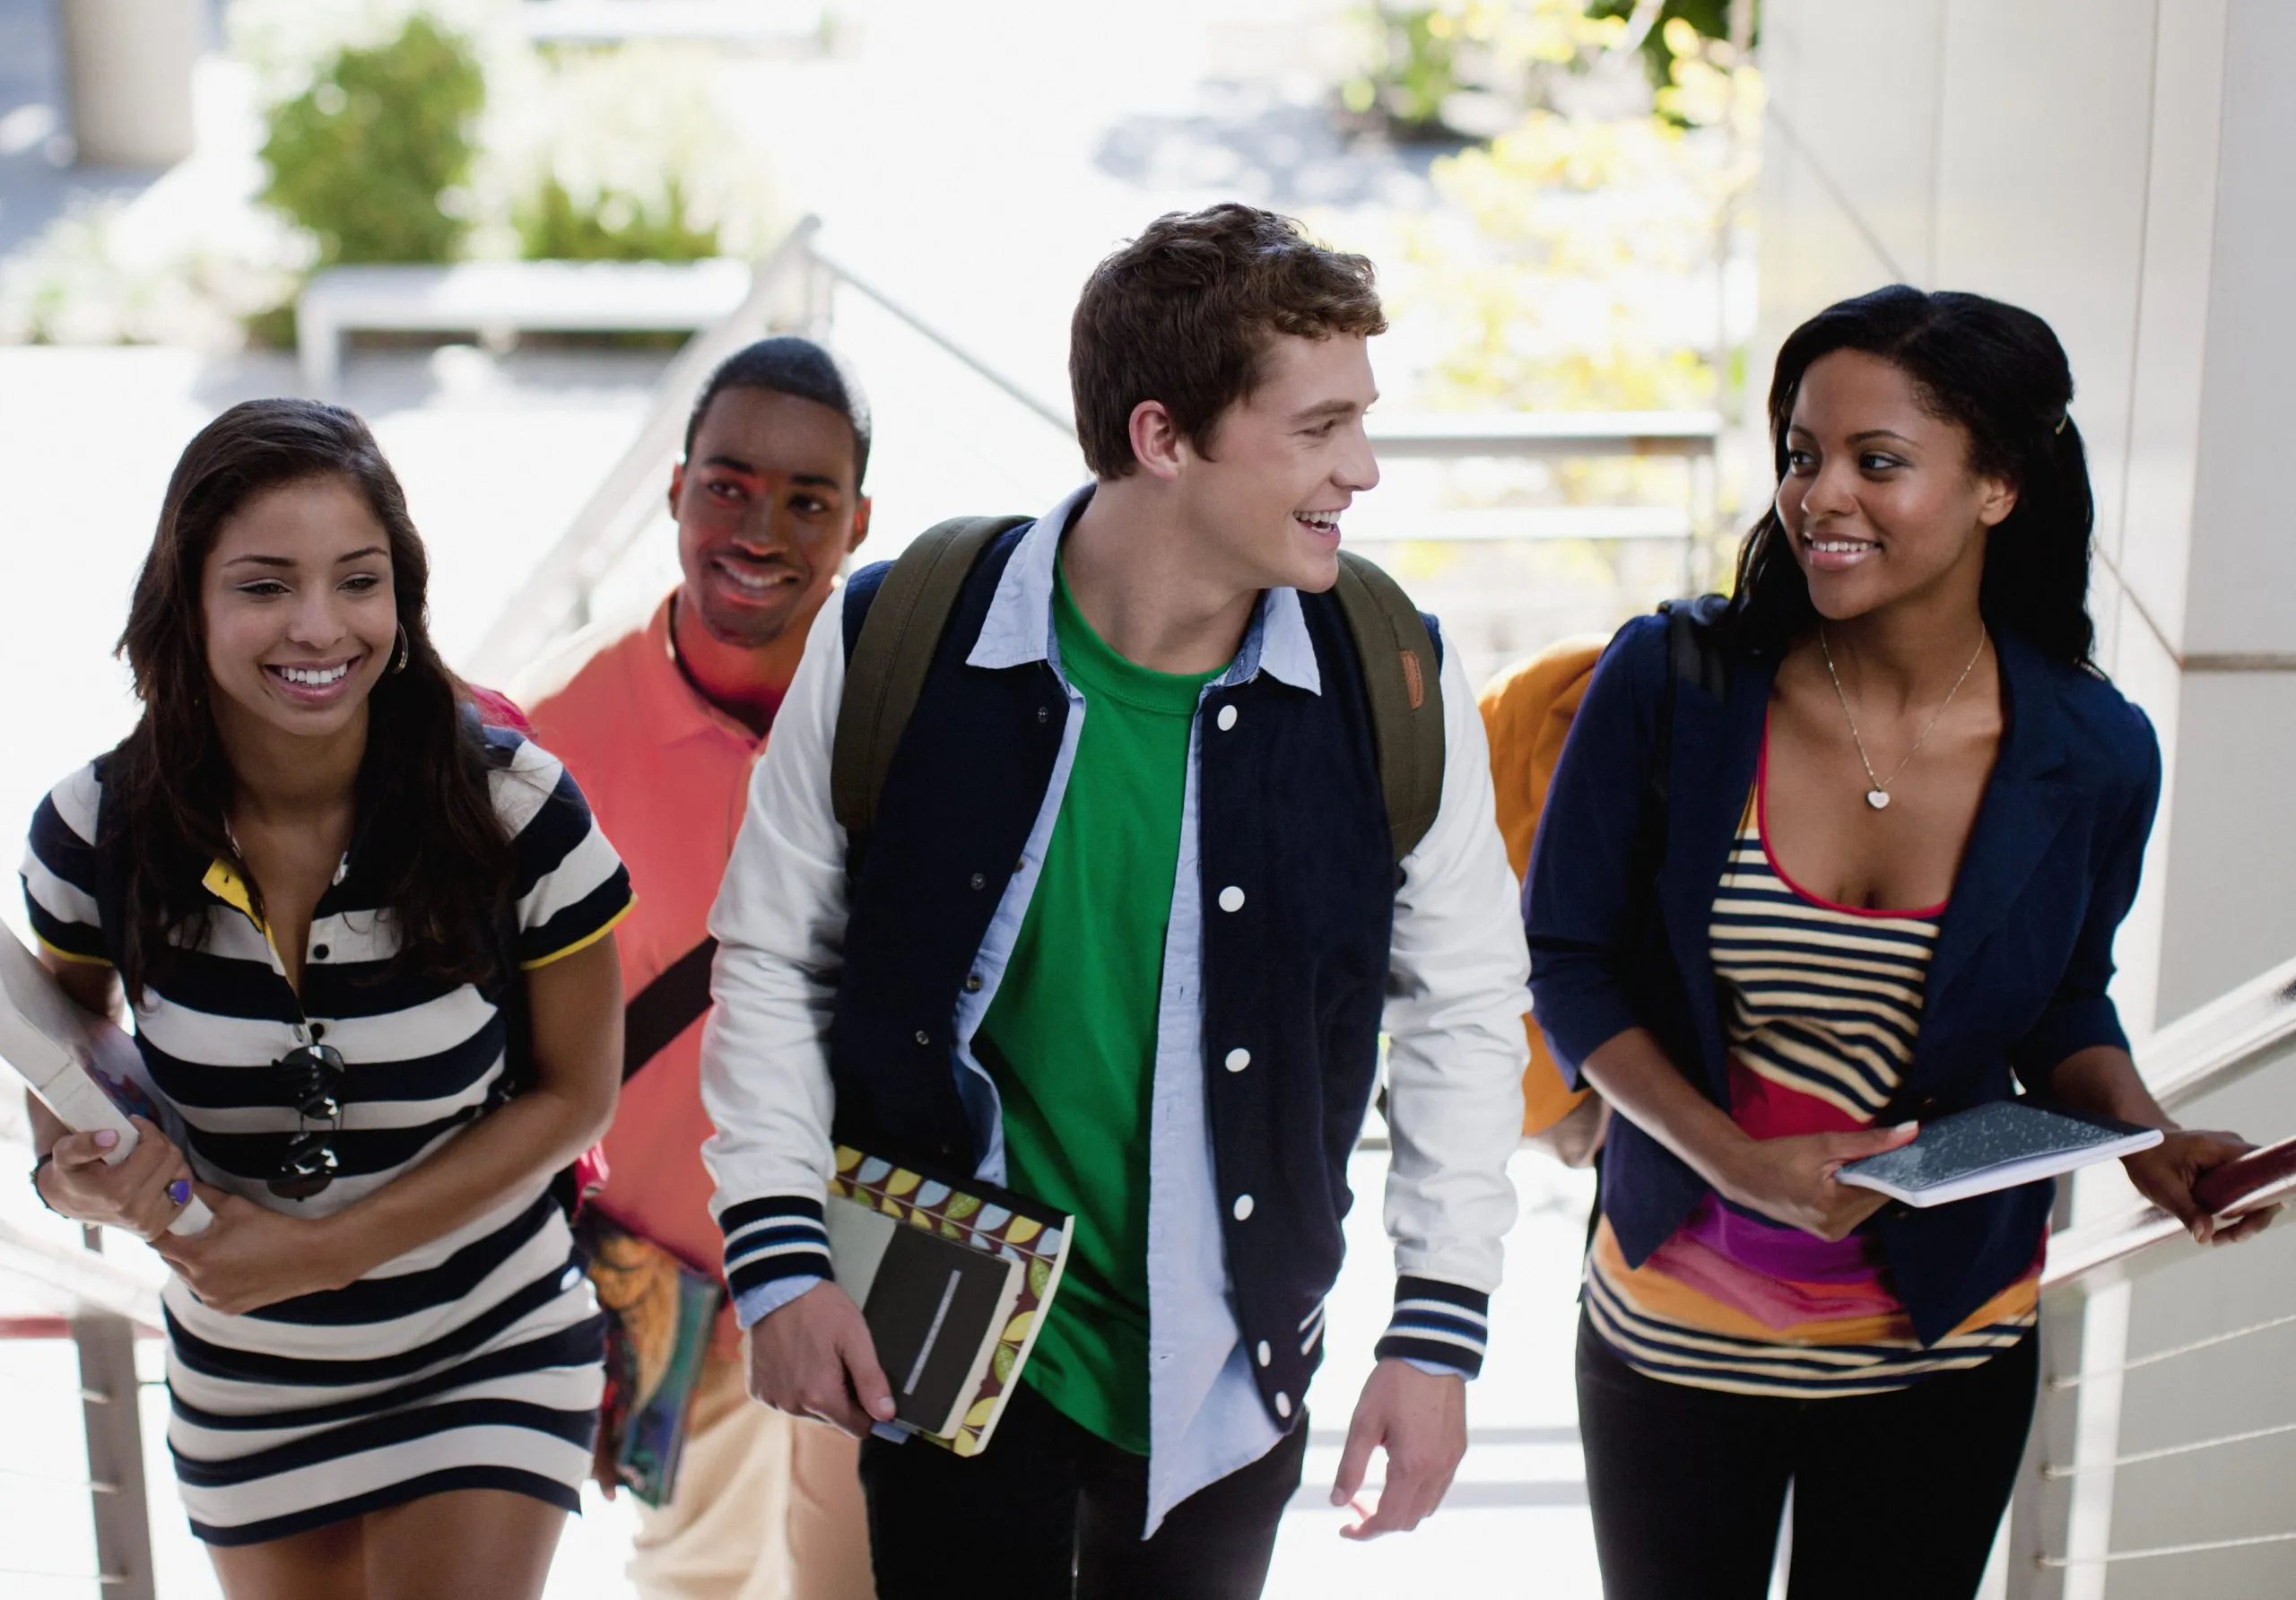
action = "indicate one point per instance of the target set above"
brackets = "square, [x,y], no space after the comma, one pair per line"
[2000,373]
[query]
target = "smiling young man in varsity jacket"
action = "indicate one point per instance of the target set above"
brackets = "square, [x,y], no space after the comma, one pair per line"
[1122,938]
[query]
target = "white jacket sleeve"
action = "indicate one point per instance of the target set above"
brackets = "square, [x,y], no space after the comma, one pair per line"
[1456,992]
[779,922]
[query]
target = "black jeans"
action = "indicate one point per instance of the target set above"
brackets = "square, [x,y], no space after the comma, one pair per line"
[1896,1496]
[1049,1510]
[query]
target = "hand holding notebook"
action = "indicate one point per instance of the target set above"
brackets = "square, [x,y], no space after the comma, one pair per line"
[1991,1147]
[954,1282]
[83,1069]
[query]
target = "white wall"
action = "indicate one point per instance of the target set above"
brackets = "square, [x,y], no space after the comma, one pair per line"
[2126,168]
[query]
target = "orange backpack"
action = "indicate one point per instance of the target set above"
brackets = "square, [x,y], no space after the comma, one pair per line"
[1526,711]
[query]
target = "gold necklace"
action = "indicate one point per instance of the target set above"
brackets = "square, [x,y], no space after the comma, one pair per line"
[1878,796]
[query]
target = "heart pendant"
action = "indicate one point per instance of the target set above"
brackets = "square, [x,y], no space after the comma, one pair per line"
[1879,799]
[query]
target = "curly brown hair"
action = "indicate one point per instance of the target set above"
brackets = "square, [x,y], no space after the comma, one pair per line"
[1185,315]
[427,824]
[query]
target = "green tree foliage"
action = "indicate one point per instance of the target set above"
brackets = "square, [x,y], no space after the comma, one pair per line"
[372,156]
[1709,20]
[1417,56]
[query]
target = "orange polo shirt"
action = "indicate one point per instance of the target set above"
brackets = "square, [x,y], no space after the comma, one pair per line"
[667,775]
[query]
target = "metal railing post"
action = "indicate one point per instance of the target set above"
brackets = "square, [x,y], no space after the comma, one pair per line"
[2041,1507]
[112,1416]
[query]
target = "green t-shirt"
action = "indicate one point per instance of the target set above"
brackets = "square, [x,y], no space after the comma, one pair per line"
[1071,1036]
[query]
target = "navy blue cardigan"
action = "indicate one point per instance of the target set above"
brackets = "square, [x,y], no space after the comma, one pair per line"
[2017,984]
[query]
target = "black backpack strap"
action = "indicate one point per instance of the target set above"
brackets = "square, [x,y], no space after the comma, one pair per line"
[1694,655]
[1403,681]
[885,672]
[666,1007]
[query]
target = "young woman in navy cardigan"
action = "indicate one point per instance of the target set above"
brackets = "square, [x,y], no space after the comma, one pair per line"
[1880,882]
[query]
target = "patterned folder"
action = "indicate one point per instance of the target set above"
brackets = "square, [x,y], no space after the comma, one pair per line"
[952,1337]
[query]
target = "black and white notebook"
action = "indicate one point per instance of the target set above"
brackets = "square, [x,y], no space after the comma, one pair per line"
[954,1282]
[1994,1147]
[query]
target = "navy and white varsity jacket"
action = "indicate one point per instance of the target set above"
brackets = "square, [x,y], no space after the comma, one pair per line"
[846,1004]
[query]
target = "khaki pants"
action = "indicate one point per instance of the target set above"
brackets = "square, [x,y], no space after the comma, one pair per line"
[767,1507]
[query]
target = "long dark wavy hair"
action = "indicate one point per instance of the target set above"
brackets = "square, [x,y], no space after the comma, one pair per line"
[427,826]
[2000,373]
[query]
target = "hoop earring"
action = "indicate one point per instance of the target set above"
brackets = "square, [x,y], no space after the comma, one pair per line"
[404,647]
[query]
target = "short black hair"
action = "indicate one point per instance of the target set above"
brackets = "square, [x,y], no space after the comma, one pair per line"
[789,365]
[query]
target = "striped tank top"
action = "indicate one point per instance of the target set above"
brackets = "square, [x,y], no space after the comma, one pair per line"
[1823,1004]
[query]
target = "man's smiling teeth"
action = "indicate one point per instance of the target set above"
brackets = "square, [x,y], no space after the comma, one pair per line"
[755,582]
[315,677]
[1323,521]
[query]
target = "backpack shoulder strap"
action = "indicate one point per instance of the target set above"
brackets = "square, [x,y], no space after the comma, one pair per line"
[885,672]
[1694,655]
[1404,684]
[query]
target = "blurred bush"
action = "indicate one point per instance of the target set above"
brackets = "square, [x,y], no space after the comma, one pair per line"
[622,154]
[373,157]
[610,225]
[1572,264]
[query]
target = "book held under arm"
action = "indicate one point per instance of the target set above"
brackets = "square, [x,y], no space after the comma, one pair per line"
[1991,1147]
[83,1069]
[954,1282]
[659,1313]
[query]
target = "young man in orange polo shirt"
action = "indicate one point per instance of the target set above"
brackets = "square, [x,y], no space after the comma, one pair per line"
[659,719]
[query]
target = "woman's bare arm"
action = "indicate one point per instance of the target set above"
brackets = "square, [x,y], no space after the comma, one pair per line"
[1790,1180]
[246,1261]
[140,1195]
[2104,1079]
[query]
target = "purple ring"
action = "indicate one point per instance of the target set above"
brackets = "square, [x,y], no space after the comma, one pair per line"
[179,1191]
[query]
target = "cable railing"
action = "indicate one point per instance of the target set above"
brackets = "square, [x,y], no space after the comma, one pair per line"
[110,1309]
[2064,1513]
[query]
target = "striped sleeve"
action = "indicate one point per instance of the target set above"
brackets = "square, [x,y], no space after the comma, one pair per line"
[1438,1324]
[59,871]
[572,887]
[769,1241]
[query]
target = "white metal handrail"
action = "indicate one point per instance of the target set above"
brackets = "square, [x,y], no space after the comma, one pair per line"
[2223,1041]
[2204,1051]
[1543,435]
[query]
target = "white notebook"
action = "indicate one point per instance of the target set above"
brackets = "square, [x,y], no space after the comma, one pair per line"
[1991,1147]
[83,1069]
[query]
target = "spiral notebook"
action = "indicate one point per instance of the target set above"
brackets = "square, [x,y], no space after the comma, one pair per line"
[1991,1147]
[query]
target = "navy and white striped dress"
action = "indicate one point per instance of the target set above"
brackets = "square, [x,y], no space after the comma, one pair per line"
[471,1362]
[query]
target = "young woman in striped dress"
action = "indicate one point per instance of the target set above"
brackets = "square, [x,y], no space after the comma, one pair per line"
[366,941]
[1898,832]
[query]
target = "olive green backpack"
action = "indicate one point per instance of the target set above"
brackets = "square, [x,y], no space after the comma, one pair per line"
[894,651]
